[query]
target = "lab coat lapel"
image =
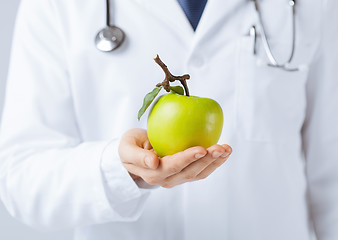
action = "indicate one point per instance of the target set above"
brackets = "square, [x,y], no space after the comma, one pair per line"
[216,14]
[172,15]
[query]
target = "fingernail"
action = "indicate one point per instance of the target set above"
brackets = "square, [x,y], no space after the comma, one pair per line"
[199,155]
[216,154]
[225,155]
[148,161]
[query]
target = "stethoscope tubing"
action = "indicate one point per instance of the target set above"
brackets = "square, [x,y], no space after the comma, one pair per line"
[108,23]
[273,61]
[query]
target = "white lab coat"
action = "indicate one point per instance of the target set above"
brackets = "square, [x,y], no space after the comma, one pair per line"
[68,104]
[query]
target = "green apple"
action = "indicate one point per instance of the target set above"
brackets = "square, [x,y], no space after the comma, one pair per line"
[178,122]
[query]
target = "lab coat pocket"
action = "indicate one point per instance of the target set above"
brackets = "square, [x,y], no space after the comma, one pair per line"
[270,102]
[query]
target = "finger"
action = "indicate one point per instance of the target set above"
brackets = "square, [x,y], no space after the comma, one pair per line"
[168,165]
[133,149]
[175,163]
[137,136]
[191,171]
[140,157]
[227,148]
[216,151]
[213,166]
[136,170]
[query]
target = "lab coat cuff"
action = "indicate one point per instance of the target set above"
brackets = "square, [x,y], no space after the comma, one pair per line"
[123,193]
[145,186]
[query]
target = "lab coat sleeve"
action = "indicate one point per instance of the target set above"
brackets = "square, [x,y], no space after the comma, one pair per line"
[320,132]
[50,177]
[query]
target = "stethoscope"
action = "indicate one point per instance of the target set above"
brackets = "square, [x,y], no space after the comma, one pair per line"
[111,37]
[272,60]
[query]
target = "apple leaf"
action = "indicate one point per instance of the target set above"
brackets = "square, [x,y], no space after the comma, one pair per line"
[177,89]
[148,99]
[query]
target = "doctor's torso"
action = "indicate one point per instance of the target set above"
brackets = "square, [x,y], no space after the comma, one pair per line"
[260,192]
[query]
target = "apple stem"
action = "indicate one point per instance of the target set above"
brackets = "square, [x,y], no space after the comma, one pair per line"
[171,78]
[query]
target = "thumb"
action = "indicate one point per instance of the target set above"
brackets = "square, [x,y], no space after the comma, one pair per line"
[132,151]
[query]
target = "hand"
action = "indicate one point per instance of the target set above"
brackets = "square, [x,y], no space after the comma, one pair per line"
[193,164]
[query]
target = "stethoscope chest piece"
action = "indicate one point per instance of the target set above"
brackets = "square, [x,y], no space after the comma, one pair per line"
[109,38]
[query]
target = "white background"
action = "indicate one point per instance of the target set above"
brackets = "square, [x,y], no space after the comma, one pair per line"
[11,229]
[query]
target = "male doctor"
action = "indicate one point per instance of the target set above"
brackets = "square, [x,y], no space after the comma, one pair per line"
[68,158]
